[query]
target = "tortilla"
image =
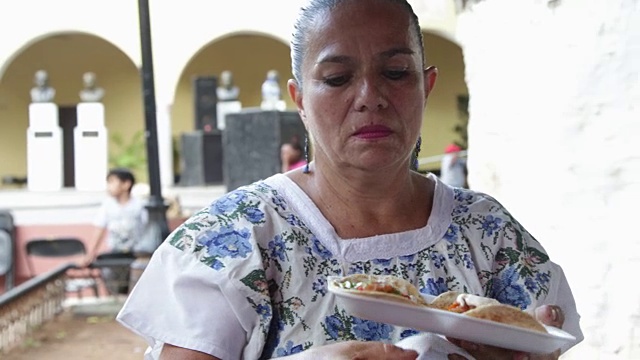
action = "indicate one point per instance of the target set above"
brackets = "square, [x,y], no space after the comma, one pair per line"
[444,300]
[381,286]
[506,314]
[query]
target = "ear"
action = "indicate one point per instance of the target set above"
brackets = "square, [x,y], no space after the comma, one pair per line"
[430,75]
[296,95]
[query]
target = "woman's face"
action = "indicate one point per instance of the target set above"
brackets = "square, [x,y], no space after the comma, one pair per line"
[364,88]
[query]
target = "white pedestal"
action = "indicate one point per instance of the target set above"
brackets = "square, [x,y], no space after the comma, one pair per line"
[279,105]
[224,108]
[44,148]
[90,148]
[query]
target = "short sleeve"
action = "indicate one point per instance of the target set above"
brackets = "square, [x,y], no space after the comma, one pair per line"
[176,302]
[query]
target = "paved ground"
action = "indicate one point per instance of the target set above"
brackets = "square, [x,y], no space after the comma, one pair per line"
[81,334]
[78,337]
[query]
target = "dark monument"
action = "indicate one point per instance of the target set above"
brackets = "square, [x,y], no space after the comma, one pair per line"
[201,158]
[201,150]
[251,143]
[205,98]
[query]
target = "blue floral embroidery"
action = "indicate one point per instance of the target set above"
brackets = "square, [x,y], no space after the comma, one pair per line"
[491,224]
[279,202]
[506,289]
[335,327]
[452,233]
[286,282]
[530,284]
[543,278]
[227,242]
[228,203]
[254,215]
[437,259]
[264,311]
[383,262]
[435,288]
[277,248]
[320,286]
[371,330]
[289,349]
[319,249]
[408,258]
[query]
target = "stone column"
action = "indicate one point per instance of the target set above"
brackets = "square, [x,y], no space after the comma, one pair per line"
[554,122]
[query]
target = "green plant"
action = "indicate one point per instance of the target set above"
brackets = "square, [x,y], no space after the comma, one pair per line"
[129,153]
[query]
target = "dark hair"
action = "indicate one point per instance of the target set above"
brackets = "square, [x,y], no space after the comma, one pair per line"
[295,143]
[123,174]
[310,12]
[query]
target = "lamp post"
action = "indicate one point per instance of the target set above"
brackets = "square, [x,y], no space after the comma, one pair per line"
[158,229]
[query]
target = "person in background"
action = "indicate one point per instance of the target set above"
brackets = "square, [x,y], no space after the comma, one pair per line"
[453,170]
[121,219]
[246,277]
[292,155]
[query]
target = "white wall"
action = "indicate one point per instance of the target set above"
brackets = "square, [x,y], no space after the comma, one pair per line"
[554,124]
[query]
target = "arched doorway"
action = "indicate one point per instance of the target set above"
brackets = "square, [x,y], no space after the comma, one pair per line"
[446,117]
[66,56]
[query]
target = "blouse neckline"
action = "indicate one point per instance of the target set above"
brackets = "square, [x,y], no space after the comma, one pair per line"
[384,246]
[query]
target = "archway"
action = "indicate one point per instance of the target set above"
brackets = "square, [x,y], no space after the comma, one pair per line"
[66,56]
[446,107]
[249,56]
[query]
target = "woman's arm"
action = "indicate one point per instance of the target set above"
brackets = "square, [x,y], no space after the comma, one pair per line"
[170,352]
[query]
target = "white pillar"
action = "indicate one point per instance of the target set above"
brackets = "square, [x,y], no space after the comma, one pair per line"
[90,148]
[44,148]
[165,144]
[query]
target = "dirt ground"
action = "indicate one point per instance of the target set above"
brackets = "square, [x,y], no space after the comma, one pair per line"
[71,337]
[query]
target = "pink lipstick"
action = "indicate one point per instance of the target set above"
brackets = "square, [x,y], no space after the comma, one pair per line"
[373,132]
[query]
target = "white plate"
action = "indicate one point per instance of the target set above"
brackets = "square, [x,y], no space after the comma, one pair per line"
[451,324]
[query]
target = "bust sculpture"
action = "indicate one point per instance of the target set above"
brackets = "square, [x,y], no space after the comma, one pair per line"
[271,88]
[226,90]
[42,92]
[91,92]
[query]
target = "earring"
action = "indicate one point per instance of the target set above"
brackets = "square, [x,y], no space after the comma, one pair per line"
[306,153]
[416,152]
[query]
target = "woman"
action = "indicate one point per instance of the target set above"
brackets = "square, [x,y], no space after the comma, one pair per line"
[246,278]
[292,155]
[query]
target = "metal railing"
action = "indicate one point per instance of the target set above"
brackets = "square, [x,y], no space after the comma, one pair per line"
[29,305]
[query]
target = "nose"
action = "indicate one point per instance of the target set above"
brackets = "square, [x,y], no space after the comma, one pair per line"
[369,96]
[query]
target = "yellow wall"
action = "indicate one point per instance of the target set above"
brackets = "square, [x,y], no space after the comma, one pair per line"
[442,110]
[66,57]
[249,57]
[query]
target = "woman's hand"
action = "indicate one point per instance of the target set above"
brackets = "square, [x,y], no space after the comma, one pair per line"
[357,350]
[547,314]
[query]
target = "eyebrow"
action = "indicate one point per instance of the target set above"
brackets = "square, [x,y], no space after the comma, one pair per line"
[341,59]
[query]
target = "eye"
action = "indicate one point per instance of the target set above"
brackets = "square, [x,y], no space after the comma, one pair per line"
[336,81]
[396,74]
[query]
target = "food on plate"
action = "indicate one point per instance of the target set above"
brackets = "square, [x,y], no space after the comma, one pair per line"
[381,286]
[506,314]
[397,289]
[486,308]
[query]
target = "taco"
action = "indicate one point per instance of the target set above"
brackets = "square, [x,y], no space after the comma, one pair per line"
[380,286]
[487,309]
[506,314]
